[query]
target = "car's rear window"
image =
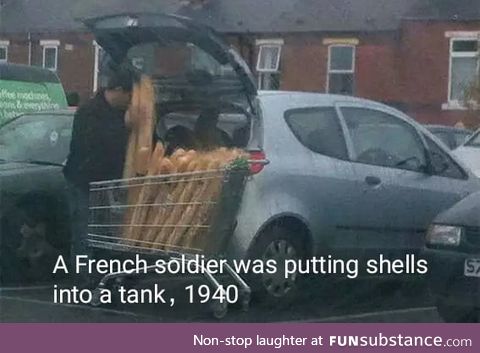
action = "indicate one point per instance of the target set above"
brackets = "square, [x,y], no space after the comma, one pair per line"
[319,130]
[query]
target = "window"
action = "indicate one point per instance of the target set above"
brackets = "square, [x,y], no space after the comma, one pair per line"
[201,60]
[3,52]
[268,64]
[460,138]
[50,54]
[442,164]
[36,137]
[445,138]
[464,63]
[319,130]
[341,69]
[384,140]
[474,141]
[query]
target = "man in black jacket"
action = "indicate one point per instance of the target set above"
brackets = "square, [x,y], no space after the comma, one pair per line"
[97,150]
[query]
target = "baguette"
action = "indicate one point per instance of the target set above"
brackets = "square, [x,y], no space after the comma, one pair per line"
[190,214]
[161,193]
[170,214]
[145,195]
[199,214]
[202,214]
[145,111]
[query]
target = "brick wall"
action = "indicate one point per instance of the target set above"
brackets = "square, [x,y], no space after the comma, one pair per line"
[408,68]
[75,57]
[425,55]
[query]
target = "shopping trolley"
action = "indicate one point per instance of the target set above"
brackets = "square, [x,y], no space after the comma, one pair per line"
[148,216]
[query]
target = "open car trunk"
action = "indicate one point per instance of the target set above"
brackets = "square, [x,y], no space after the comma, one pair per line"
[193,70]
[186,198]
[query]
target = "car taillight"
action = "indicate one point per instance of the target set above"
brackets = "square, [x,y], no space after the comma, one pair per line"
[259,156]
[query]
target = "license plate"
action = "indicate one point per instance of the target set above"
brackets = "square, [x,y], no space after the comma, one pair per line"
[472,268]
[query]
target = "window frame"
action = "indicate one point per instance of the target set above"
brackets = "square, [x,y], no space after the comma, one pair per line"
[262,73]
[4,45]
[398,117]
[447,155]
[287,114]
[335,71]
[50,44]
[459,37]
[269,43]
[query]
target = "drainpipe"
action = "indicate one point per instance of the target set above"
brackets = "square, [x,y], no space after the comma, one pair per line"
[29,49]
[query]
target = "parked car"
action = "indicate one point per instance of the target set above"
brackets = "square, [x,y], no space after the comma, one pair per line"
[469,153]
[33,204]
[450,136]
[348,177]
[453,251]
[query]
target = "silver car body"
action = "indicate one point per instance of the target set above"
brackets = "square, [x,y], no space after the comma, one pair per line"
[328,199]
[470,156]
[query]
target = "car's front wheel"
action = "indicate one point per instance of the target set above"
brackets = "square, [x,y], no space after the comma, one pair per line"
[280,245]
[456,314]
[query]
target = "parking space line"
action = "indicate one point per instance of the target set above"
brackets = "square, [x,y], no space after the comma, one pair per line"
[27,288]
[74,306]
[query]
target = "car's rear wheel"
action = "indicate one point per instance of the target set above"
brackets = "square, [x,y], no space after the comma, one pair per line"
[280,245]
[455,313]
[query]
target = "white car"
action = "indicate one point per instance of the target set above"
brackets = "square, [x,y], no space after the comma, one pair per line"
[469,153]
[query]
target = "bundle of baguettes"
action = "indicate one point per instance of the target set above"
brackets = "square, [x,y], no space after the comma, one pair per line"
[169,212]
[173,212]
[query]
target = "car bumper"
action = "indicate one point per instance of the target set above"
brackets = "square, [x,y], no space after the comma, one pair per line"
[447,281]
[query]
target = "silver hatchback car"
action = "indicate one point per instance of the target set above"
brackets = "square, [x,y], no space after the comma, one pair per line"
[346,177]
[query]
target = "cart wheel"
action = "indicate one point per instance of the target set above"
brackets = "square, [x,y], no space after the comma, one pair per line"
[219,310]
[95,298]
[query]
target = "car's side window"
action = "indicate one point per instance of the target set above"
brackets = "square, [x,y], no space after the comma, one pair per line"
[442,164]
[382,139]
[445,138]
[460,138]
[319,130]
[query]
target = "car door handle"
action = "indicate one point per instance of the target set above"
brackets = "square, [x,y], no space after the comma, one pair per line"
[373,180]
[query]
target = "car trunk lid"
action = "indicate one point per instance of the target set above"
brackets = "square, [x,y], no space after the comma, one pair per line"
[183,57]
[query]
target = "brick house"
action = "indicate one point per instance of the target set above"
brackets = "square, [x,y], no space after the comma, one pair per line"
[417,55]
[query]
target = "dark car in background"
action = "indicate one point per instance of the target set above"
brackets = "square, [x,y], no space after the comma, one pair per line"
[453,251]
[451,136]
[33,207]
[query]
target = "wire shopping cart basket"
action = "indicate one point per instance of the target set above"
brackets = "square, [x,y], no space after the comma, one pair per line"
[174,216]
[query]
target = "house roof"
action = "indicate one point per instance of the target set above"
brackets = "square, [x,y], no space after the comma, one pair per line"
[266,16]
[65,15]
[462,10]
[240,16]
